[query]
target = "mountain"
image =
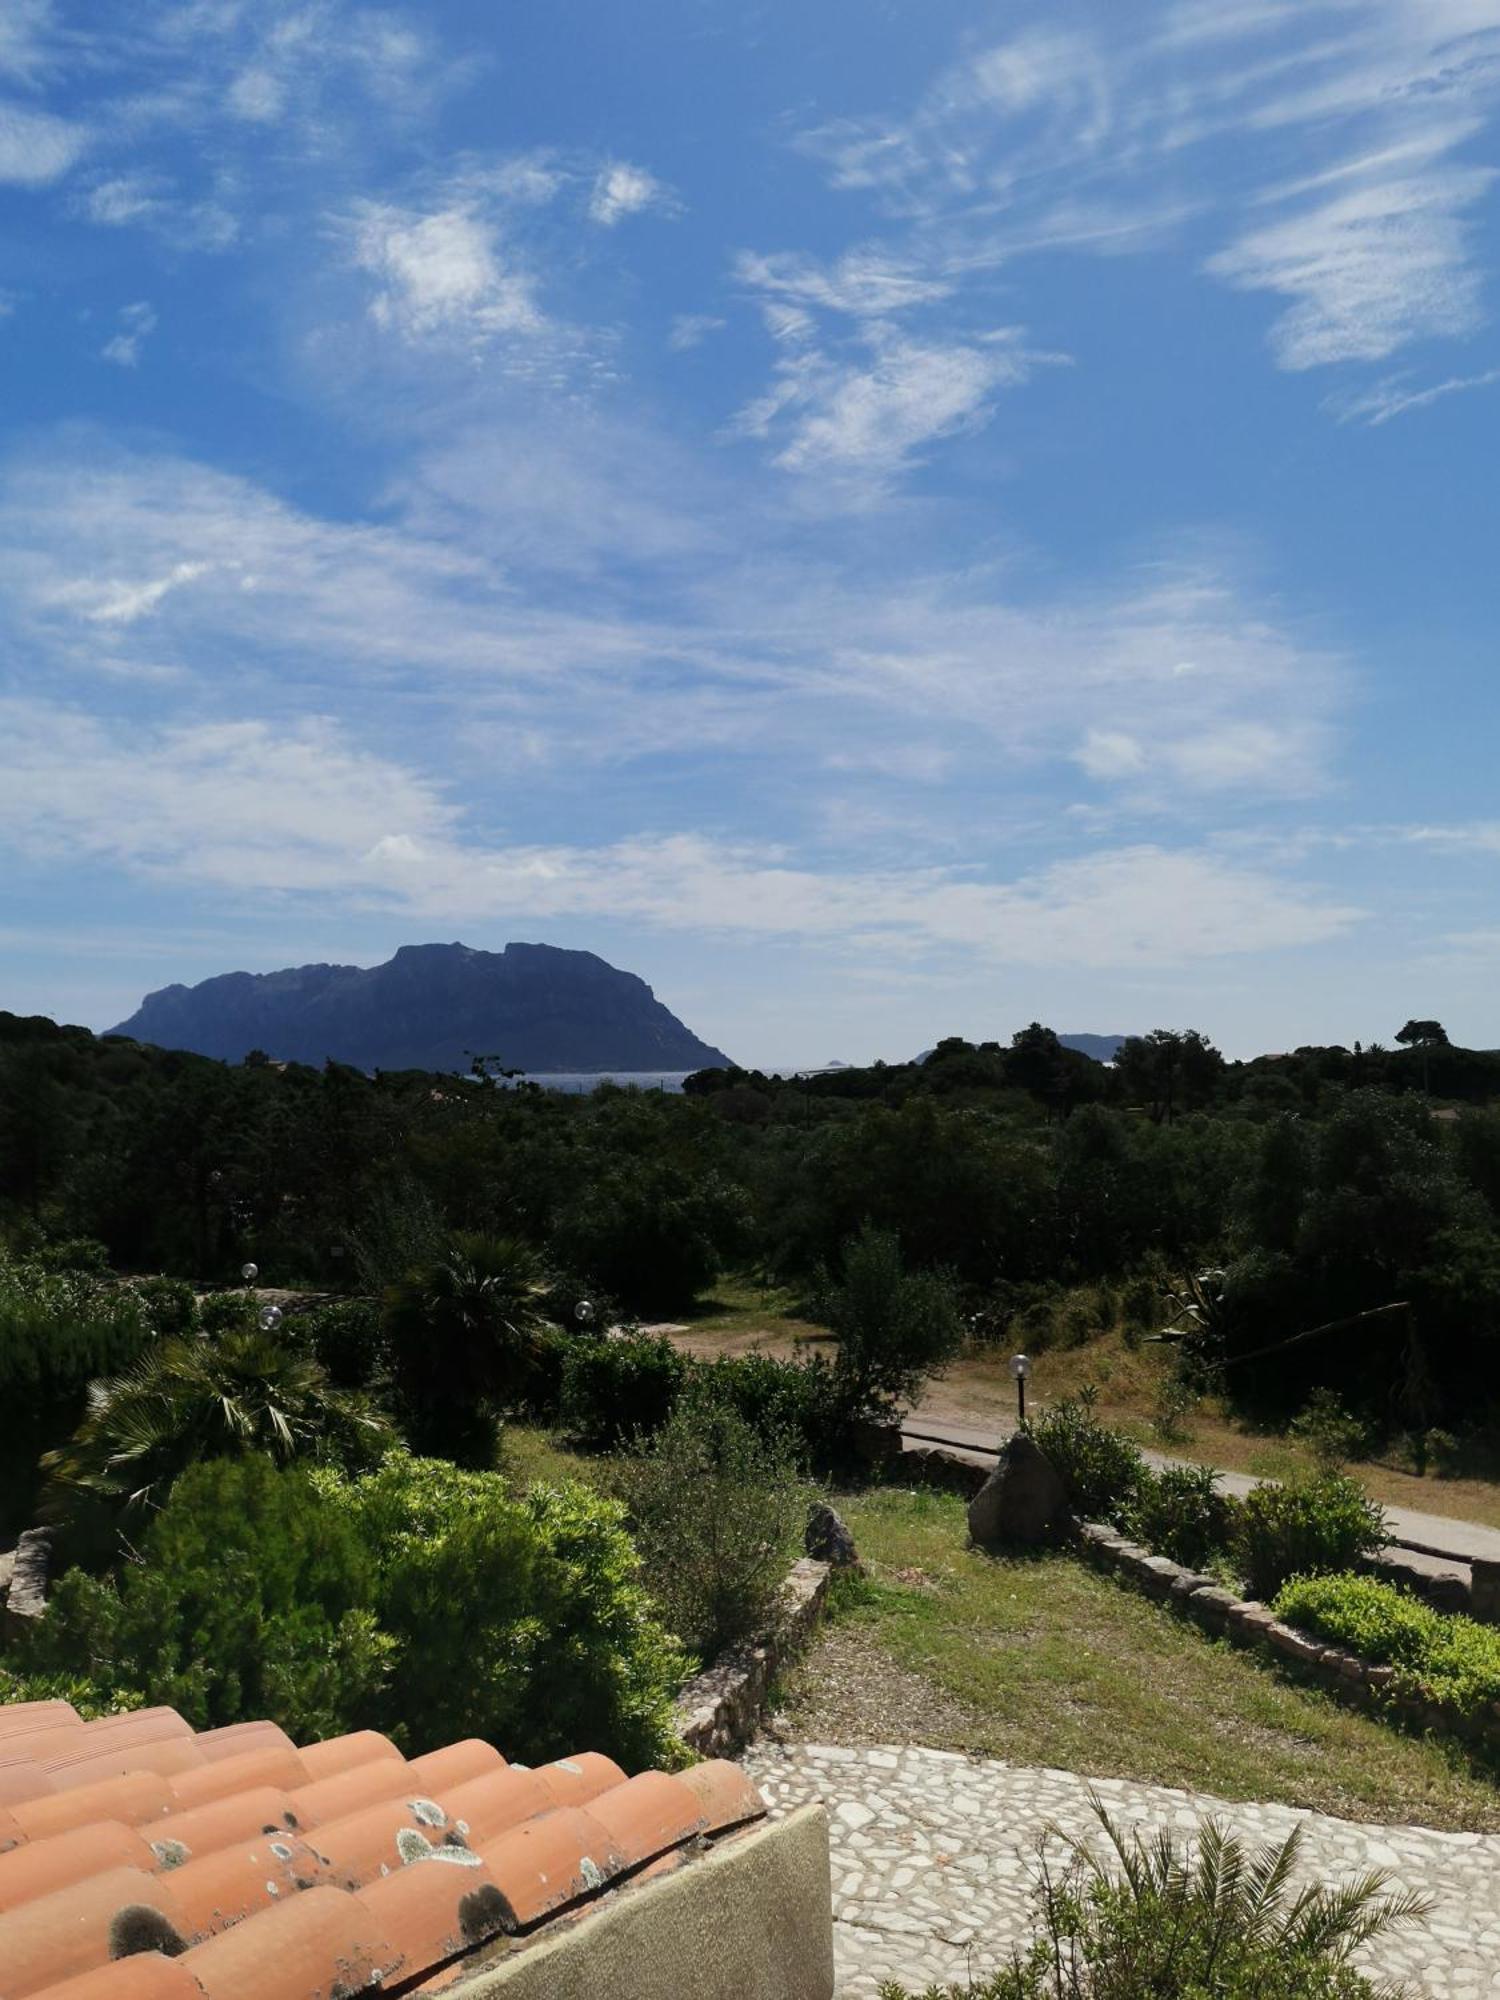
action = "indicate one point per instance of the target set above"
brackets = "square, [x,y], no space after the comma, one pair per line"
[1103,1048]
[432,1006]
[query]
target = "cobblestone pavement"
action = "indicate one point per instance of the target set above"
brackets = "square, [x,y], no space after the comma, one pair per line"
[933,1854]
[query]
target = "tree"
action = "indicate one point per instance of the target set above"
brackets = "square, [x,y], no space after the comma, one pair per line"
[462,1329]
[895,1327]
[1057,1077]
[1169,1071]
[1426,1036]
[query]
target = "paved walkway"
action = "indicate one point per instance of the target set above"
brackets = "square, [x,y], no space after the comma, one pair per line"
[1431,1534]
[933,1855]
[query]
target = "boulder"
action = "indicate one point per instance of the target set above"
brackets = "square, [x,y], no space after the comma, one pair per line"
[828,1539]
[1023,1501]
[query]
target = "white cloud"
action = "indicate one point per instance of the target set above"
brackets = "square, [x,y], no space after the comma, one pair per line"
[620,190]
[1383,264]
[441,273]
[37,148]
[257,95]
[871,417]
[26,40]
[1344,114]
[137,324]
[864,282]
[691,330]
[1395,396]
[239,807]
[492,594]
[1111,753]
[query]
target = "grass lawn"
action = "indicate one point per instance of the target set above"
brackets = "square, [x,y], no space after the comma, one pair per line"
[1046,1662]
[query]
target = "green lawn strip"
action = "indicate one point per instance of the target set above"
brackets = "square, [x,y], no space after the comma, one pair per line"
[1063,1667]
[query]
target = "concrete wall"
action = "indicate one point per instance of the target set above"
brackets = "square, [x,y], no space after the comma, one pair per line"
[749,1920]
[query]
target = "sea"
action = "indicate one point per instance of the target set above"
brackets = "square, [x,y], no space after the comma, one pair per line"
[578,1083]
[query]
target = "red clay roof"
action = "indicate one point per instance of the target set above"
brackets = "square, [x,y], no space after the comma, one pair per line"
[140,1860]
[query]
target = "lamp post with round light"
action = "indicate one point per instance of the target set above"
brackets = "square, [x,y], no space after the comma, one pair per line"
[583,1312]
[1020,1368]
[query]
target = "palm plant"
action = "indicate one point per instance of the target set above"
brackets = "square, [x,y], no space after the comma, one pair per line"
[462,1330]
[1154,1918]
[191,1399]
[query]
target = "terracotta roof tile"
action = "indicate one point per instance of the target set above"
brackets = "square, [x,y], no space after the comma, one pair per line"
[142,1862]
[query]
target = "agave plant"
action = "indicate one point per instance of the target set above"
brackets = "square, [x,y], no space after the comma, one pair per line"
[461,1330]
[190,1399]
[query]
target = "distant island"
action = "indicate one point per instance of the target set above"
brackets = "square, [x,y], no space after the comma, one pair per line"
[433,1006]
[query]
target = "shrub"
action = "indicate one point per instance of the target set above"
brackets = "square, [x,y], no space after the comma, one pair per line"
[347,1339]
[895,1327]
[418,1599]
[1176,1401]
[1160,1920]
[1438,1656]
[168,1305]
[1329,1430]
[653,1234]
[1305,1527]
[715,1509]
[1140,1304]
[521,1621]
[250,1599]
[791,1403]
[619,1388]
[1102,1470]
[1181,1513]
[227,1312]
[58,1331]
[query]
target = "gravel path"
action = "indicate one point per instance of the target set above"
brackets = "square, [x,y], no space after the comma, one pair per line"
[933,1855]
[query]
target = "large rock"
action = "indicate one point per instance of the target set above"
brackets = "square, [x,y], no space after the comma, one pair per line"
[1022,1502]
[828,1538]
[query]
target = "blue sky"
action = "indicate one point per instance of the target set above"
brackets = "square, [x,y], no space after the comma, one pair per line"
[886,519]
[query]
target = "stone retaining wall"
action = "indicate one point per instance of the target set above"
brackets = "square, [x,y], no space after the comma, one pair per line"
[1219,1611]
[719,1709]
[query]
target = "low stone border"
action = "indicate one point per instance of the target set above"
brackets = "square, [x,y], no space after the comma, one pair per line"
[1220,1612]
[718,1710]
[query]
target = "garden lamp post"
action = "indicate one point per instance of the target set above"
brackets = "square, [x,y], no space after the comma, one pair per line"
[583,1312]
[1020,1368]
[270,1318]
[249,1272]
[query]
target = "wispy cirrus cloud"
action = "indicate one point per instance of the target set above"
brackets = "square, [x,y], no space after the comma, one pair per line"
[1351,197]
[467,596]
[869,415]
[238,807]
[136,325]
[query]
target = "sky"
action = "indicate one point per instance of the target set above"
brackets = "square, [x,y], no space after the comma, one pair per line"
[888,518]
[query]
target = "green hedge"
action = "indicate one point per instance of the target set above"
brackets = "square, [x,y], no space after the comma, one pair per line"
[1437,1655]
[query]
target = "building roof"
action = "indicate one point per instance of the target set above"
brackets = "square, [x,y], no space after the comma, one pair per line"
[141,1860]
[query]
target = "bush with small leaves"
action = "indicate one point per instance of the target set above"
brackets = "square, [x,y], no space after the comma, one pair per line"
[1101,1469]
[717,1512]
[1305,1527]
[249,1598]
[1181,1513]
[619,1387]
[1331,1432]
[170,1305]
[523,1621]
[348,1339]
[1437,1656]
[227,1312]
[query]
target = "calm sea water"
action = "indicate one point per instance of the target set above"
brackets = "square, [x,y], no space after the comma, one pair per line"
[577,1083]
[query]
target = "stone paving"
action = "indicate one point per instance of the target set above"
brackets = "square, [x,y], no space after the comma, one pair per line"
[934,1852]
